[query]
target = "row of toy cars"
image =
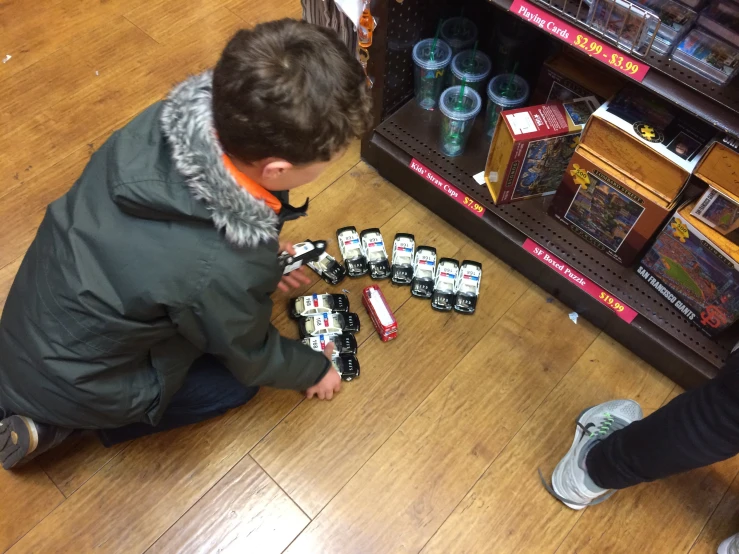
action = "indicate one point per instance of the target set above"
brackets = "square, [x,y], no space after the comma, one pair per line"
[449,285]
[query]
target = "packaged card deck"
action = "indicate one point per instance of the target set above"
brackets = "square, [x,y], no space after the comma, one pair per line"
[623,22]
[532,146]
[649,140]
[712,57]
[566,77]
[675,20]
[380,313]
[721,18]
[696,270]
[607,208]
[719,169]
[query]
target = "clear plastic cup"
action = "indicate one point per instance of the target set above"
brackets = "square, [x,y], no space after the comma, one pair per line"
[502,97]
[430,70]
[460,33]
[474,71]
[459,117]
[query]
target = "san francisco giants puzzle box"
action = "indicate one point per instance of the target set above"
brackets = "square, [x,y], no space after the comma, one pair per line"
[607,208]
[532,146]
[696,270]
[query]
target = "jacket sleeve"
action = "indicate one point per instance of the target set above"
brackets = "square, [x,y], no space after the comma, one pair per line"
[229,317]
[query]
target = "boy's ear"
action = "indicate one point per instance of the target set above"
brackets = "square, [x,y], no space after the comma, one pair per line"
[274,168]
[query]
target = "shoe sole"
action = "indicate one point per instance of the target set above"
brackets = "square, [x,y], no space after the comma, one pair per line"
[723,548]
[557,475]
[15,441]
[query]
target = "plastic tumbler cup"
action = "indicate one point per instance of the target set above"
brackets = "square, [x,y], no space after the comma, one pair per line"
[460,33]
[459,112]
[472,70]
[430,69]
[504,93]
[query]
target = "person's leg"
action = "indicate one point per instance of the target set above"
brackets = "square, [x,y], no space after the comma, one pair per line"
[615,448]
[209,390]
[698,428]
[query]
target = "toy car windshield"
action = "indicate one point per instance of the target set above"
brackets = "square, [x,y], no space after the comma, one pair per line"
[328,324]
[351,250]
[305,252]
[445,284]
[343,344]
[328,268]
[318,303]
[424,266]
[373,248]
[468,287]
[402,268]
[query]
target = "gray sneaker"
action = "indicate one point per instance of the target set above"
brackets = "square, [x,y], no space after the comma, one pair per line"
[571,483]
[22,439]
[730,545]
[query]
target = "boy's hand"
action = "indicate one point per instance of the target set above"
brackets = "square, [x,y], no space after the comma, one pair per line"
[294,279]
[330,383]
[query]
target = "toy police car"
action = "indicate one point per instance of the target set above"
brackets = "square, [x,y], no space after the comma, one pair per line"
[351,250]
[328,268]
[347,366]
[468,287]
[424,266]
[373,248]
[402,270]
[317,304]
[445,285]
[343,344]
[304,252]
[328,324]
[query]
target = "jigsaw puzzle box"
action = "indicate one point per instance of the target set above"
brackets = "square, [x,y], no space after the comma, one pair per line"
[608,208]
[696,269]
[719,169]
[564,78]
[532,146]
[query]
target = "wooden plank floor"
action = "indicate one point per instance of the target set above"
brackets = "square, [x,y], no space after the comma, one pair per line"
[434,449]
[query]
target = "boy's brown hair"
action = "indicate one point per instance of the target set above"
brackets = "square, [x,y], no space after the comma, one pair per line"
[290,90]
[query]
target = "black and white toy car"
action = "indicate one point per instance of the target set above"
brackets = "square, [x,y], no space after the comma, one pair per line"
[343,344]
[328,268]
[314,255]
[373,248]
[404,246]
[351,250]
[445,285]
[424,268]
[317,304]
[347,366]
[468,287]
[306,251]
[328,324]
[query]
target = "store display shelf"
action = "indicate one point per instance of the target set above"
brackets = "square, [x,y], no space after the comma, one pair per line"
[658,334]
[718,105]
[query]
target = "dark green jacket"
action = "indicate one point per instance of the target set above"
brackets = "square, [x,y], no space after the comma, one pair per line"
[154,257]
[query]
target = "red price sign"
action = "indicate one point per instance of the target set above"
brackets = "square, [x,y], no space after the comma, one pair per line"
[573,36]
[619,308]
[447,188]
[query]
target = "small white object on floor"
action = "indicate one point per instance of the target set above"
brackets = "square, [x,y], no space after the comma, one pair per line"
[7,57]
[97,73]
[480,177]
[573,317]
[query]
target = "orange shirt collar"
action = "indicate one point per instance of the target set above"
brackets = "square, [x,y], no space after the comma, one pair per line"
[251,186]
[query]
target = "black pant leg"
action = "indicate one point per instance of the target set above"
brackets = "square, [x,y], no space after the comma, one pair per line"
[696,429]
[209,390]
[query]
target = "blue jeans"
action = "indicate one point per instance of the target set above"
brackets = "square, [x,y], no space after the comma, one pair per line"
[209,390]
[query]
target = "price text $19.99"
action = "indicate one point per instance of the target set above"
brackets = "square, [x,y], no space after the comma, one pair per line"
[594,48]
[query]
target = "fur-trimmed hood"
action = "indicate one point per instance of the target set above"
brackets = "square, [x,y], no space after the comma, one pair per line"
[187,122]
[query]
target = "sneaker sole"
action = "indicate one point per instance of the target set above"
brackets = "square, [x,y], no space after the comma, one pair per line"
[15,441]
[723,548]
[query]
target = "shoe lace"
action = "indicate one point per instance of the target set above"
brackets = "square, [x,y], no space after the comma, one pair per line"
[608,425]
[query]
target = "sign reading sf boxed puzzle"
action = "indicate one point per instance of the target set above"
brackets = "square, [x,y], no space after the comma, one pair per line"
[696,269]
[532,146]
[634,159]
